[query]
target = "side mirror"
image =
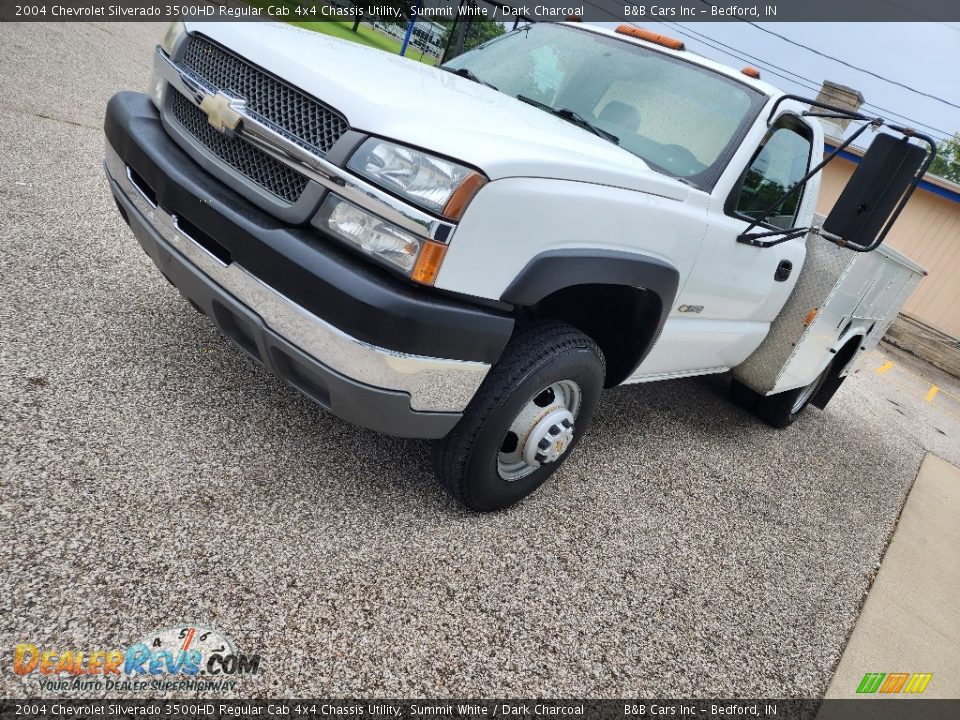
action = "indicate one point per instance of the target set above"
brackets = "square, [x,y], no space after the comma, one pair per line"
[876,193]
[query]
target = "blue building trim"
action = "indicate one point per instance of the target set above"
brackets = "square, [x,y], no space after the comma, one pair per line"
[924,184]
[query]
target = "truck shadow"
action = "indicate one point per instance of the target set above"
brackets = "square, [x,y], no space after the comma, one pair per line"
[669,435]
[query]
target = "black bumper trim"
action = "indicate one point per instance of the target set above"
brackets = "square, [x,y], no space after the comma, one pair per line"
[312,270]
[386,411]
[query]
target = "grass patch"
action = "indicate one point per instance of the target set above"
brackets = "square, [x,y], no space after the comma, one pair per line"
[365,35]
[343,29]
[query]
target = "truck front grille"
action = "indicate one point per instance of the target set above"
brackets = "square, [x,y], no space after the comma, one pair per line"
[303,119]
[253,163]
[307,120]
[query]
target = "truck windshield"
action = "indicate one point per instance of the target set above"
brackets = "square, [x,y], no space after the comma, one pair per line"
[682,119]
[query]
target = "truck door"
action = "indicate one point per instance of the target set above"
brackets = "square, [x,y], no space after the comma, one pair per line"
[734,291]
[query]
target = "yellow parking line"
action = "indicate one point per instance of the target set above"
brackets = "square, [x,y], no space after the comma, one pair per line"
[940,390]
[932,393]
[912,390]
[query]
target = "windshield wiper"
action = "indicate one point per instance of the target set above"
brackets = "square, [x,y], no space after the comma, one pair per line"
[573,117]
[469,75]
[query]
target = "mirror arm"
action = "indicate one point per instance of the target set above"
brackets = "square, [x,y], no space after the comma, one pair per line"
[799,184]
[841,116]
[840,111]
[754,239]
[906,132]
[748,237]
[857,247]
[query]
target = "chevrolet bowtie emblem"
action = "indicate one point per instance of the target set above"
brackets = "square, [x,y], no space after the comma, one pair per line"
[220,112]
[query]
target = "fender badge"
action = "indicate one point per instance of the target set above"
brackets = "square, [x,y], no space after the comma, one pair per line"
[220,112]
[690,308]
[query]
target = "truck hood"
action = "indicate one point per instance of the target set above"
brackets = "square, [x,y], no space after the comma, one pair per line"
[404,100]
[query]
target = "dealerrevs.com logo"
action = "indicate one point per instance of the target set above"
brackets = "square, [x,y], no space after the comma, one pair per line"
[184,657]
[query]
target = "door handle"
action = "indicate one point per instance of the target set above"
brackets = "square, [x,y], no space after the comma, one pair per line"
[783,270]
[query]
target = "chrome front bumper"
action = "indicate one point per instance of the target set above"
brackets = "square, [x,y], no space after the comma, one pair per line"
[433,384]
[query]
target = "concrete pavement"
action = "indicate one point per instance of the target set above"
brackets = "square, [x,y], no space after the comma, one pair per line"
[150,475]
[910,622]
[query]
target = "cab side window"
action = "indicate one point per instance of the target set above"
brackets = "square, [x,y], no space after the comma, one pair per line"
[783,159]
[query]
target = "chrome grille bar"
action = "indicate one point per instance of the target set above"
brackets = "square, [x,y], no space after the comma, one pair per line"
[307,120]
[236,119]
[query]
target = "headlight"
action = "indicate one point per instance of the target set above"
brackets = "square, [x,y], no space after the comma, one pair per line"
[417,258]
[175,31]
[435,184]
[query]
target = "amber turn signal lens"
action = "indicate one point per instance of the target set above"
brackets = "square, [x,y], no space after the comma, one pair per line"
[751,72]
[810,317]
[463,195]
[428,263]
[650,36]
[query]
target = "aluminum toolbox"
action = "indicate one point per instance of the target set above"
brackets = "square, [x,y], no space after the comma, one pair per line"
[850,292]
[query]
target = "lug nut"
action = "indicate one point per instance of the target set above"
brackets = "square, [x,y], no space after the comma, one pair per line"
[543,444]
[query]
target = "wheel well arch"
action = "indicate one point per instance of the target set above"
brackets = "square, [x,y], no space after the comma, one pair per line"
[625,328]
[848,351]
[620,299]
[842,359]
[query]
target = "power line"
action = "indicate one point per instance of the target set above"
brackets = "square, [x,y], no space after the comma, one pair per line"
[741,56]
[844,62]
[795,78]
[946,135]
[814,86]
[910,11]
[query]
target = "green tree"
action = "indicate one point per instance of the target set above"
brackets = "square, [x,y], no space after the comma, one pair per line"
[947,163]
[477,33]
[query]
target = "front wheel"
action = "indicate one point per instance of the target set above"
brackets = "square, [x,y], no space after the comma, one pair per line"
[525,419]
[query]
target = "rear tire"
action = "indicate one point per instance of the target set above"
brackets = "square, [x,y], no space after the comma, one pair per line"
[526,418]
[782,409]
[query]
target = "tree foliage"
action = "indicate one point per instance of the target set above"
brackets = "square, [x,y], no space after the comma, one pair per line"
[477,32]
[947,162]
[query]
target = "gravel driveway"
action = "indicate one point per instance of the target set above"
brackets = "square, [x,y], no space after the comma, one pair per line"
[150,475]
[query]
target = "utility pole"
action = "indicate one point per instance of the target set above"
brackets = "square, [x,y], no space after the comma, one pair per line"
[413,19]
[458,34]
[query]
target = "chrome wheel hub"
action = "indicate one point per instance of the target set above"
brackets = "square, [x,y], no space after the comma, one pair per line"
[550,438]
[542,431]
[809,391]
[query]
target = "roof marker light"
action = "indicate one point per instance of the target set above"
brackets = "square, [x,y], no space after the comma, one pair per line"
[650,36]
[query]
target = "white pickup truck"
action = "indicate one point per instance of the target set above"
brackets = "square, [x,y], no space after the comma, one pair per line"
[473,253]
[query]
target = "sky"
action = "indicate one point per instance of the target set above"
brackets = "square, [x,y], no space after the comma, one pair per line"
[923,56]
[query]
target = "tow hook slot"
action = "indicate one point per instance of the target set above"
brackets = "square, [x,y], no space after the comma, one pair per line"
[203,240]
[142,187]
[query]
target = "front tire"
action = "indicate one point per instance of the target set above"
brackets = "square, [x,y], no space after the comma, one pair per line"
[526,418]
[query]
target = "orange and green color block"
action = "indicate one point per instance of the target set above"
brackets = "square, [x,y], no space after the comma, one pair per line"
[891,683]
